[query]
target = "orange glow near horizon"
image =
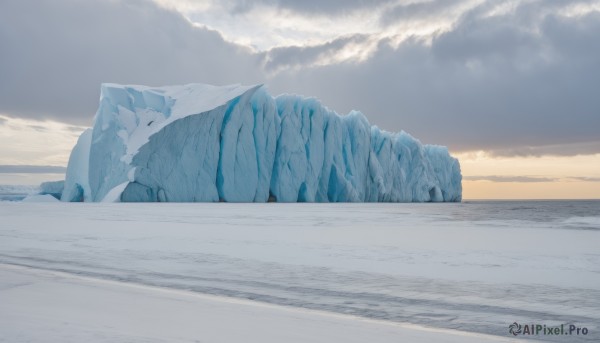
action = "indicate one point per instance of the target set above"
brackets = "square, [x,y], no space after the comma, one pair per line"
[474,190]
[32,142]
[546,177]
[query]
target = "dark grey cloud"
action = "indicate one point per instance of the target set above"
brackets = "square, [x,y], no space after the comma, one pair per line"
[319,7]
[584,148]
[55,54]
[496,178]
[28,169]
[496,83]
[521,83]
[2,121]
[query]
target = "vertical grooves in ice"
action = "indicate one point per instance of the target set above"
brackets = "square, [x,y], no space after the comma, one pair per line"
[242,145]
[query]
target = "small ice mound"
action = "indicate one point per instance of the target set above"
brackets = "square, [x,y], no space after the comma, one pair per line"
[54,188]
[40,198]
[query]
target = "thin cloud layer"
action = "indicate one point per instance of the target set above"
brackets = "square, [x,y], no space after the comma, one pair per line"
[528,179]
[418,10]
[35,142]
[282,58]
[27,169]
[511,77]
[331,7]
[497,178]
[586,179]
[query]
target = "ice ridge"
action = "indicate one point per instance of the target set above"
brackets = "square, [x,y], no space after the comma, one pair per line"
[202,143]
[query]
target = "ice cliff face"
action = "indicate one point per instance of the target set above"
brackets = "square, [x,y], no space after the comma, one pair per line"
[204,143]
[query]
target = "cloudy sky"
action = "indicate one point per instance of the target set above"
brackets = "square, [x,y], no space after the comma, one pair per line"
[511,87]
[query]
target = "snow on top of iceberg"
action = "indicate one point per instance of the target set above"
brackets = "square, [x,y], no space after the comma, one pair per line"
[237,143]
[144,111]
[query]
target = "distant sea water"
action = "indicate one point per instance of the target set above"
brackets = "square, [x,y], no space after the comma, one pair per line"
[580,214]
[16,192]
[476,266]
[568,214]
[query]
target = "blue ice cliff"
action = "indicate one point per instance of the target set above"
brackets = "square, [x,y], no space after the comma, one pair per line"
[236,143]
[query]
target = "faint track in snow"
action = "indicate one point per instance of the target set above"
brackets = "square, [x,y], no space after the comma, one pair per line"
[421,301]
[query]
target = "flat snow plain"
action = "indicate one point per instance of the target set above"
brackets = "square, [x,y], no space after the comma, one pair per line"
[206,272]
[44,306]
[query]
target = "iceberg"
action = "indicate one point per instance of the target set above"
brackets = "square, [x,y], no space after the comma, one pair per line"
[203,143]
[54,188]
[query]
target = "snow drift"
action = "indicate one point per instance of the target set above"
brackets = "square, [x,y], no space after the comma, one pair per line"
[236,143]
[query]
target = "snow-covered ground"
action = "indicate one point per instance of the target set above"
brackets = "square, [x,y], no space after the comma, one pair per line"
[474,267]
[44,306]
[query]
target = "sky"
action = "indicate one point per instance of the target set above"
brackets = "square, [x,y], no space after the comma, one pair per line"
[511,87]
